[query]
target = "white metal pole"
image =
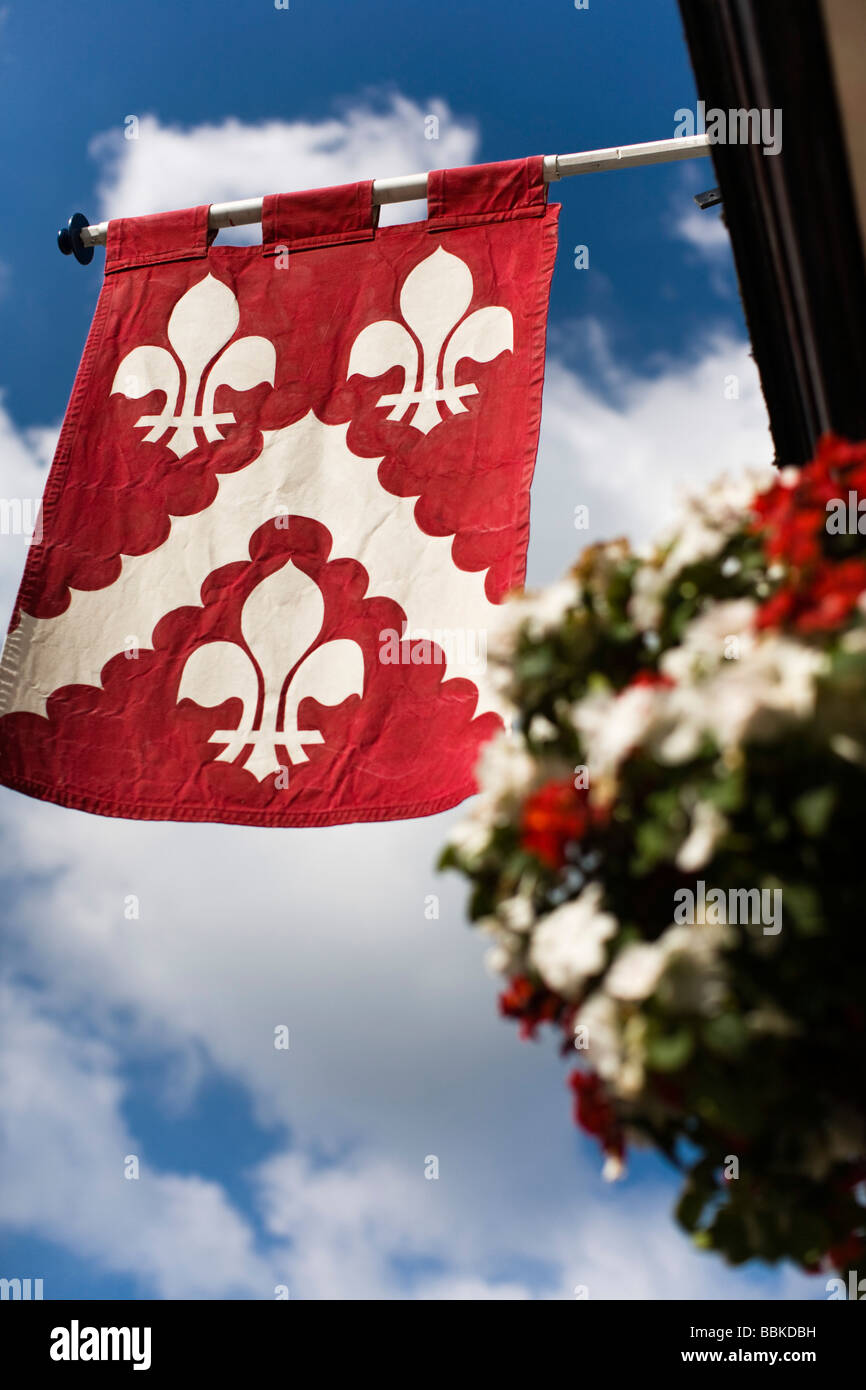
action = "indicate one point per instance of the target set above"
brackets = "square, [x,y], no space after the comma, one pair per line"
[412,186]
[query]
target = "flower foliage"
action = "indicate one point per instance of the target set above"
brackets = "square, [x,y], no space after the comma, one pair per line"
[690,728]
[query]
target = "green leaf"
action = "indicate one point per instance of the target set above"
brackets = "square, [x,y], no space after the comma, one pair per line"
[726,793]
[726,1034]
[803,903]
[814,808]
[845,664]
[535,662]
[730,1235]
[690,1207]
[671,1051]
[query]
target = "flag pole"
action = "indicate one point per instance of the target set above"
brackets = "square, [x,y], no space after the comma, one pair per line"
[409,187]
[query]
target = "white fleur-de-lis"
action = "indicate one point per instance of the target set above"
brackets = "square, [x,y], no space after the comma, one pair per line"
[281,621]
[201,323]
[433,300]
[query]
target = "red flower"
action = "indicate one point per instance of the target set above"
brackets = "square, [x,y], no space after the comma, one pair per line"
[515,999]
[531,1005]
[777,610]
[832,594]
[793,517]
[820,603]
[847,1253]
[792,529]
[594,1113]
[650,678]
[553,817]
[819,591]
[841,455]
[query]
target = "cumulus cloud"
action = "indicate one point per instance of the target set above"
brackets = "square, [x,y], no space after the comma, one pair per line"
[704,232]
[168,166]
[25,456]
[64,1147]
[631,456]
[356,1227]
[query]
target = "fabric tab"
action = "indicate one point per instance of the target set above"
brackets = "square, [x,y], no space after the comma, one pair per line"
[318,217]
[163,236]
[486,193]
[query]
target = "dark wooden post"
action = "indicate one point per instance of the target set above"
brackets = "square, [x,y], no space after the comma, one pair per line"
[791,216]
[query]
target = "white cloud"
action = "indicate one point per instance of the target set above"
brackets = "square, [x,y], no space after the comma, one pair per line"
[64,1145]
[629,458]
[24,459]
[170,167]
[705,231]
[348,1225]
[362,1227]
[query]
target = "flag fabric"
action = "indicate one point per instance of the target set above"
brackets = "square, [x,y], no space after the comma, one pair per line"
[290,492]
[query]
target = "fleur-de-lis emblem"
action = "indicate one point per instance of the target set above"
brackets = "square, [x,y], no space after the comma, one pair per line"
[433,300]
[281,621]
[201,323]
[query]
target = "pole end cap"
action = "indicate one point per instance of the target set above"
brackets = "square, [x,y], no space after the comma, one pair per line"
[69,239]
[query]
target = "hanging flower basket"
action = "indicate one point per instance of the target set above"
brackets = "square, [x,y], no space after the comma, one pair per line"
[668,853]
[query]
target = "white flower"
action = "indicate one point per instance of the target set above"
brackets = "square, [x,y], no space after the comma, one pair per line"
[708,519]
[537,613]
[647,591]
[616,1043]
[789,669]
[707,641]
[770,686]
[505,955]
[685,965]
[636,971]
[541,730]
[547,609]
[599,1017]
[769,1019]
[505,769]
[613,1168]
[704,525]
[678,737]
[730,683]
[611,725]
[498,960]
[695,978]
[469,836]
[516,913]
[848,748]
[707,828]
[568,945]
[506,773]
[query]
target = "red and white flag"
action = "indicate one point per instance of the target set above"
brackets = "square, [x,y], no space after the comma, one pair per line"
[290,491]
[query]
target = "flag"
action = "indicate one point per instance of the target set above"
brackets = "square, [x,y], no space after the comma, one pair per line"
[290,493]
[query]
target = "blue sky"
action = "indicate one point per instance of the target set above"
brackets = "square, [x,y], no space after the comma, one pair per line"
[540,78]
[154,1037]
